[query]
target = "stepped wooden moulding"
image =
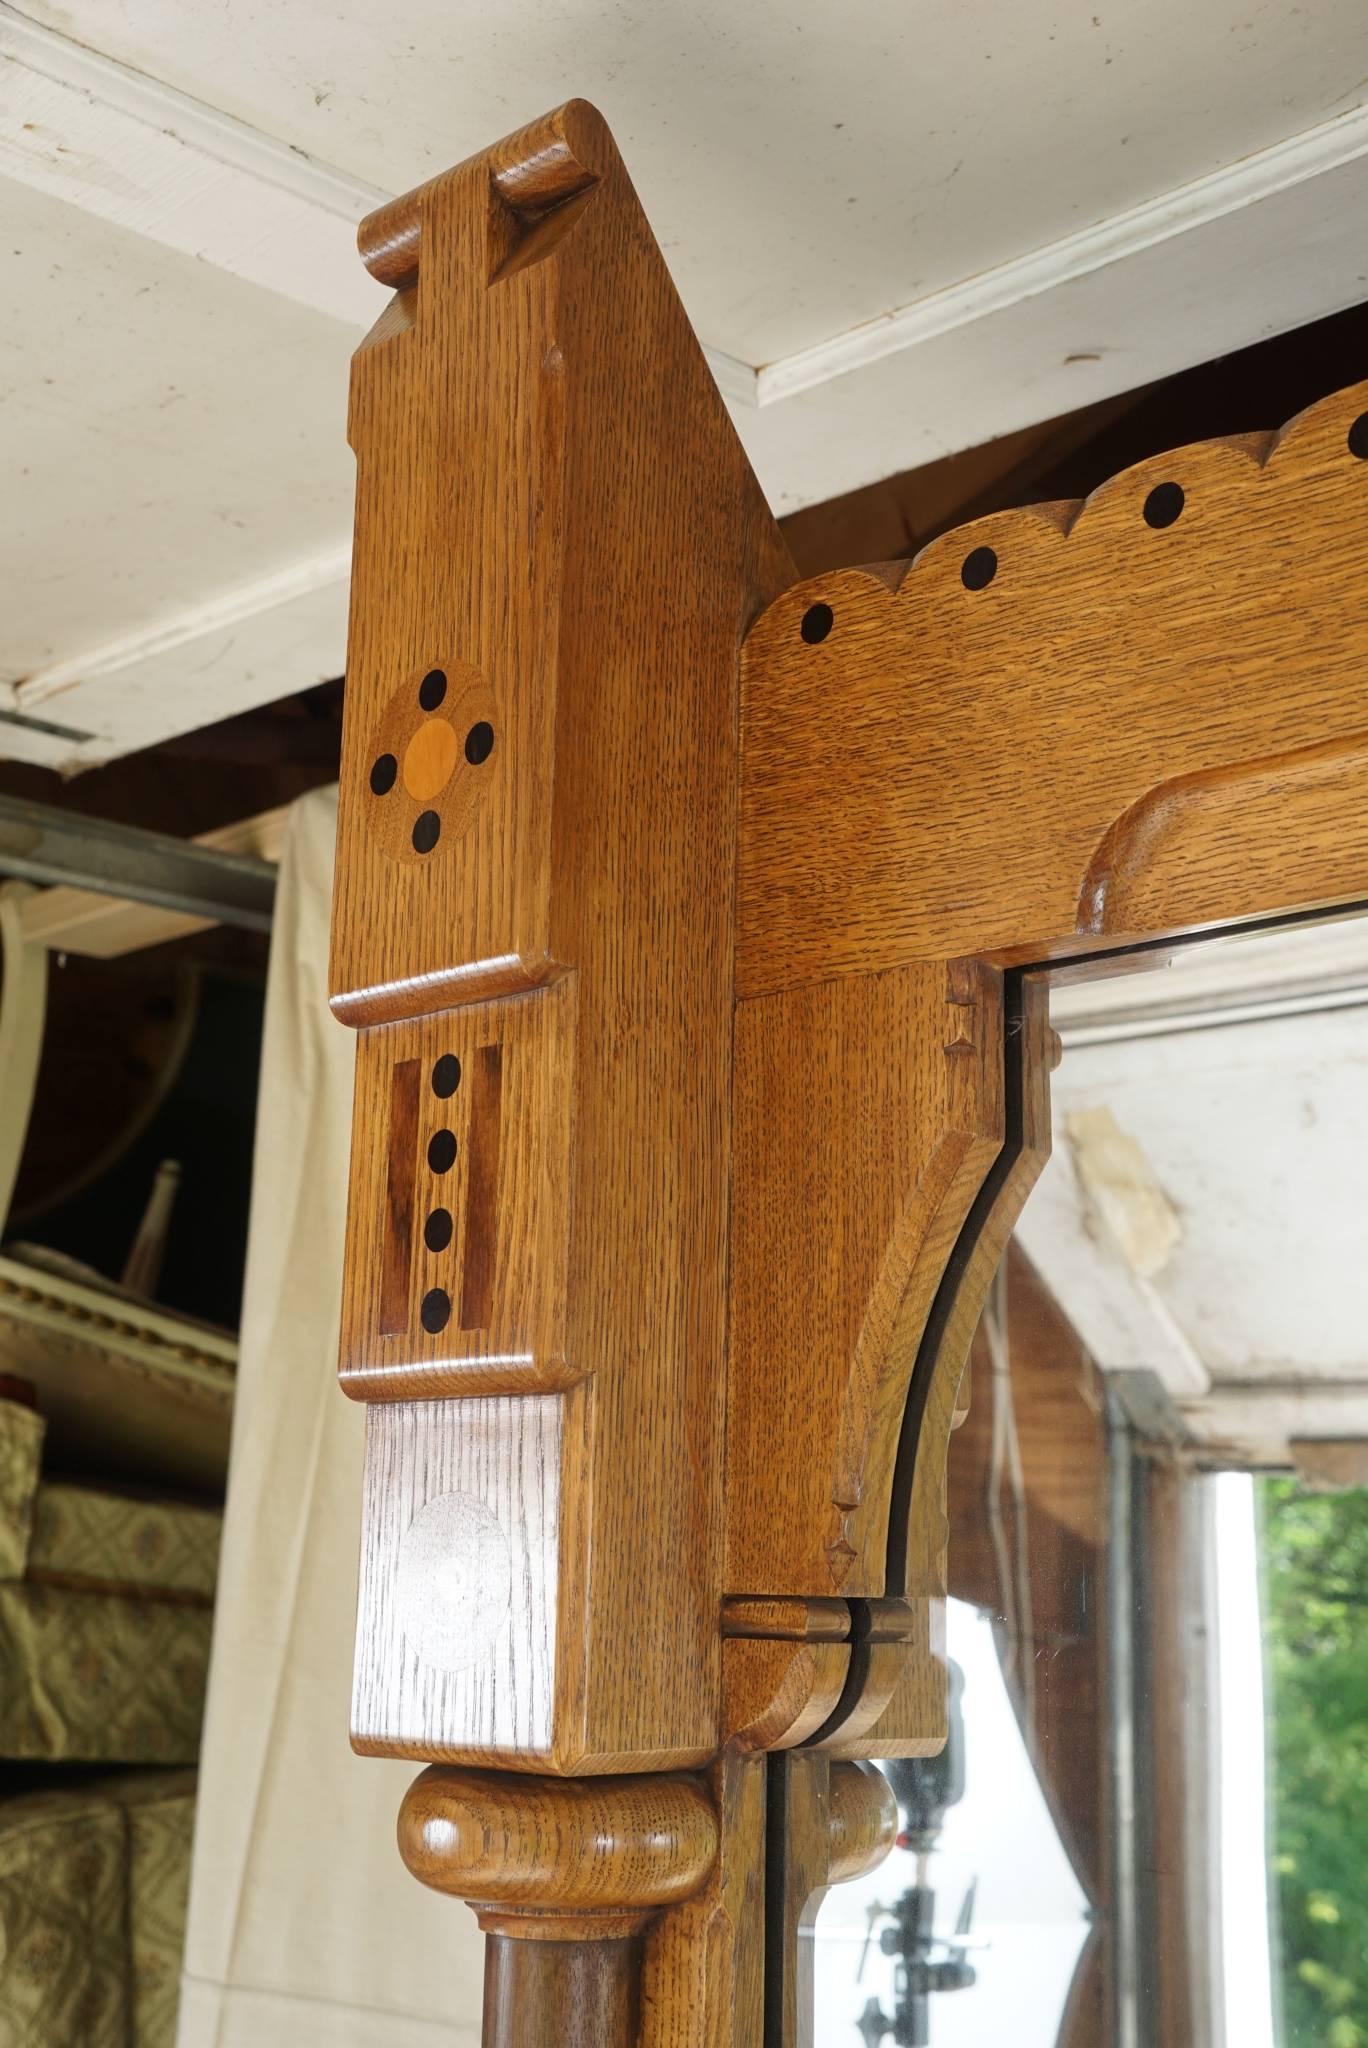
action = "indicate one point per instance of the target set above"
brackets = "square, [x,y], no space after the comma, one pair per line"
[697,924]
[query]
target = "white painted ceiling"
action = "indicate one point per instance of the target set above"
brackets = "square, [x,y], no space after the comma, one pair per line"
[807,166]
[899,228]
[157,415]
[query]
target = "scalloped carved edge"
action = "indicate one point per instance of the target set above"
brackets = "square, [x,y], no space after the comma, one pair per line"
[1266,533]
[1065,518]
[1248,455]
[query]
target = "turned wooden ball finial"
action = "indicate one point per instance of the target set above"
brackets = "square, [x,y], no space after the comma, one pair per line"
[862,1820]
[557,1859]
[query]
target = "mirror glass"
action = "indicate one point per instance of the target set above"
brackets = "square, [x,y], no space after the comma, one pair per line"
[1150,1825]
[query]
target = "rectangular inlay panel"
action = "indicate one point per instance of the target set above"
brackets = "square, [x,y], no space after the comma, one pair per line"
[458,1223]
[397,1254]
[482,1187]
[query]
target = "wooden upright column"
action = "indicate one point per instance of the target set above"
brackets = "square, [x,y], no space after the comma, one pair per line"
[559,548]
[579,1994]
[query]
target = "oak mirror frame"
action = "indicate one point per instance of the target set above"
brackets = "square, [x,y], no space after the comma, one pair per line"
[698,924]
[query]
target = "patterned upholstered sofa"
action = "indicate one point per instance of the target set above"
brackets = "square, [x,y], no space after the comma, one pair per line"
[107,1574]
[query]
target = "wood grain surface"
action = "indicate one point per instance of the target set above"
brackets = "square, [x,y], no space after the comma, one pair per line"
[911,1718]
[512,1201]
[776,1695]
[703,1981]
[559,547]
[579,1994]
[828,1822]
[868,1112]
[701,1074]
[589,1859]
[460,1570]
[968,792]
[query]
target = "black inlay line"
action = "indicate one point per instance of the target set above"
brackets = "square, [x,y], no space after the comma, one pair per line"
[1238,928]
[942,1307]
[776,1813]
[857,1674]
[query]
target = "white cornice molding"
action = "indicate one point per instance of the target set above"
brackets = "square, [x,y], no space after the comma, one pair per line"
[83,129]
[186,121]
[1250,979]
[1206,200]
[219,614]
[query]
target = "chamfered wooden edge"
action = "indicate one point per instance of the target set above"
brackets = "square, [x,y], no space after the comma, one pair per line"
[829,1822]
[866,1677]
[894,1701]
[881,1096]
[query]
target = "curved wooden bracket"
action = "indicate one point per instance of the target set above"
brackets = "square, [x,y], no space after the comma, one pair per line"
[1185,845]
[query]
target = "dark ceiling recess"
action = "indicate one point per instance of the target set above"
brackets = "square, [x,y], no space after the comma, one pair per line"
[213,776]
[154,1055]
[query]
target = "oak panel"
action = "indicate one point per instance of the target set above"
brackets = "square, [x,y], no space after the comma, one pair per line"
[868,1113]
[456,1618]
[944,770]
[506,1192]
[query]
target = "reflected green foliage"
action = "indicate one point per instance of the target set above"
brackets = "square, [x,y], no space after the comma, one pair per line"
[1316,1596]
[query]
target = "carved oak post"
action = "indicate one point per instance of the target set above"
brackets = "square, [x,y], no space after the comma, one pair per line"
[559,547]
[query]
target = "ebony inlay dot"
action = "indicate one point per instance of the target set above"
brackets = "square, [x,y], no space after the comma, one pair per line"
[437,1230]
[1163,504]
[978,568]
[818,621]
[383,771]
[1358,437]
[479,744]
[426,832]
[432,689]
[442,1151]
[446,1075]
[436,1310]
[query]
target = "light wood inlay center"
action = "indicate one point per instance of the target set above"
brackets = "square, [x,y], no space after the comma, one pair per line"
[429,759]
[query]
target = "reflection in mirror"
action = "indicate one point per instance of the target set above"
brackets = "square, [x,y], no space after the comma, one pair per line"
[1150,1826]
